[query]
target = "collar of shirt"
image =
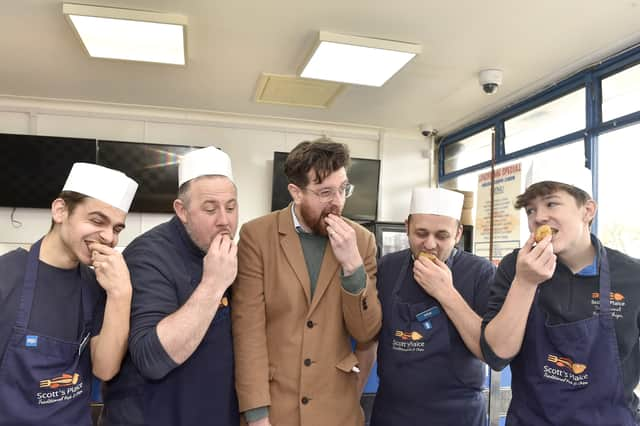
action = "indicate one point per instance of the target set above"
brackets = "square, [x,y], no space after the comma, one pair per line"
[184,235]
[296,223]
[592,270]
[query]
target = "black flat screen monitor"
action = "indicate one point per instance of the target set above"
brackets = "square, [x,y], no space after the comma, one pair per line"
[35,168]
[153,166]
[364,174]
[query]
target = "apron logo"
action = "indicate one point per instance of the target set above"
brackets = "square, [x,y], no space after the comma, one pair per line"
[616,303]
[64,380]
[410,341]
[31,341]
[405,335]
[566,370]
[61,388]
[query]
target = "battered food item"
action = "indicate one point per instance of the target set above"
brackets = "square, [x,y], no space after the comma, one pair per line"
[542,232]
[428,255]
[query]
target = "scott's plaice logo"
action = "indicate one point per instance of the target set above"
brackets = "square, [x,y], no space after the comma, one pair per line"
[406,335]
[617,304]
[60,381]
[565,370]
[564,362]
[408,341]
[618,297]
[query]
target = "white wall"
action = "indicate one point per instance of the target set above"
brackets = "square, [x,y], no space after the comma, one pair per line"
[250,141]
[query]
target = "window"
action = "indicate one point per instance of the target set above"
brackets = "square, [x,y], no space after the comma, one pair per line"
[549,121]
[618,201]
[621,93]
[467,152]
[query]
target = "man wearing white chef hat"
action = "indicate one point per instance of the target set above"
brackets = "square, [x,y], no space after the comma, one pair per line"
[433,295]
[564,311]
[179,369]
[60,321]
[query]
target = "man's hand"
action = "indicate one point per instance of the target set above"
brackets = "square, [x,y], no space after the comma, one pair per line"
[433,276]
[262,422]
[111,270]
[342,238]
[535,264]
[220,265]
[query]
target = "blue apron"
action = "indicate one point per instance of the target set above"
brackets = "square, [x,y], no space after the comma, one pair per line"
[570,374]
[201,391]
[423,379]
[45,380]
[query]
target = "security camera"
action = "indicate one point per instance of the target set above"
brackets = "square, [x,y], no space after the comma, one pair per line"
[428,130]
[490,80]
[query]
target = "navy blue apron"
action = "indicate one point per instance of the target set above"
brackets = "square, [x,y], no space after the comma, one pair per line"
[423,380]
[201,391]
[45,380]
[570,374]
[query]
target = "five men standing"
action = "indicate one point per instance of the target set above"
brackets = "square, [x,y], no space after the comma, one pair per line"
[305,284]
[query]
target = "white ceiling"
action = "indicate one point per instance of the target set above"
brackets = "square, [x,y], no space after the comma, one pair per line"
[230,43]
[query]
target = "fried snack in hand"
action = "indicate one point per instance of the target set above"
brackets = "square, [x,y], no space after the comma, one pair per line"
[542,232]
[430,256]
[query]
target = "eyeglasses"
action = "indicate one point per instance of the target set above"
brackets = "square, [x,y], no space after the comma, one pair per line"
[328,194]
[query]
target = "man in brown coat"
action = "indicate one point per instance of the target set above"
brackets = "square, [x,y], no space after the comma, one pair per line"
[306,284]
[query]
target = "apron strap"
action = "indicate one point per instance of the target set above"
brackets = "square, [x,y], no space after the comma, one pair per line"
[605,284]
[29,286]
[87,300]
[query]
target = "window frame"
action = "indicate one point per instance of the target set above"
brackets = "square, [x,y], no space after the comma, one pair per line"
[591,80]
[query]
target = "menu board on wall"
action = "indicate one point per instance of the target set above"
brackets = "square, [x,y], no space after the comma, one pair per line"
[506,219]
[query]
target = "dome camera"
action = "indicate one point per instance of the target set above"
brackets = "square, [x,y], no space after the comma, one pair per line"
[490,80]
[427,130]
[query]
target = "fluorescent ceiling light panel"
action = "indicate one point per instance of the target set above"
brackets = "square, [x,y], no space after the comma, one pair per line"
[357,60]
[131,35]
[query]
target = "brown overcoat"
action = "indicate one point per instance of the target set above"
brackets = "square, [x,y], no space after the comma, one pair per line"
[293,354]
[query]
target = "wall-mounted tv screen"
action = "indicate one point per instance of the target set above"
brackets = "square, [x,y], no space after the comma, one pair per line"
[153,166]
[363,173]
[35,168]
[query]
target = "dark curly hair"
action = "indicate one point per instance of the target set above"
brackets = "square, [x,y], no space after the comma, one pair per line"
[323,156]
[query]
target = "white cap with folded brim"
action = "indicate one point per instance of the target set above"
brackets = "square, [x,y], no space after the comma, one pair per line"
[438,201]
[110,186]
[560,172]
[207,161]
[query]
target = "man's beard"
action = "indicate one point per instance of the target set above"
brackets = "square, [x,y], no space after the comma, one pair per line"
[317,224]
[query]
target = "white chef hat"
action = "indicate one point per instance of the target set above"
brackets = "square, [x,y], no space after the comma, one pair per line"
[204,162]
[110,186]
[552,170]
[438,201]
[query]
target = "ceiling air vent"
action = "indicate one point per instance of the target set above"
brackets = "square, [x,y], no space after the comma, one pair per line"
[296,91]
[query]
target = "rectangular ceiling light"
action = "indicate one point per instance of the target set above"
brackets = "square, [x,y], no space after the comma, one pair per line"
[357,60]
[131,35]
